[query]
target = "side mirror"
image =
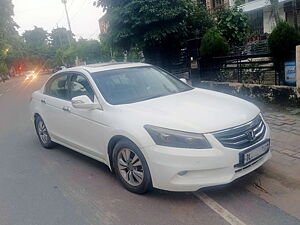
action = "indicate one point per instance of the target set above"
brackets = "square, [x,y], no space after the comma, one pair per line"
[183,80]
[84,102]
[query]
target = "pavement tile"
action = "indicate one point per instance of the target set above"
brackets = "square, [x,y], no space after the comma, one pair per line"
[288,152]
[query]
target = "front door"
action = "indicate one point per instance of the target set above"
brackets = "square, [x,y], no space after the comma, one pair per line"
[86,126]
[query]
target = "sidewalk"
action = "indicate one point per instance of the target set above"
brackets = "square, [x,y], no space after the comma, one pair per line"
[278,181]
[285,146]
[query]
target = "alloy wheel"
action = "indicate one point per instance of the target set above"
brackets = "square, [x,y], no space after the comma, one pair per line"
[43,133]
[130,167]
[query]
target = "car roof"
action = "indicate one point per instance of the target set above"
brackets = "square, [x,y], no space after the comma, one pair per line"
[92,68]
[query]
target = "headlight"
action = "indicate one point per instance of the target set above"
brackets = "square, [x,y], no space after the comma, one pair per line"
[178,139]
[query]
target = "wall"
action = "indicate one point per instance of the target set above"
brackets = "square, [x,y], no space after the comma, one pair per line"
[283,95]
[269,19]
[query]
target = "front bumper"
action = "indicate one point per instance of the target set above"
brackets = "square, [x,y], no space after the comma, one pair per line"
[177,169]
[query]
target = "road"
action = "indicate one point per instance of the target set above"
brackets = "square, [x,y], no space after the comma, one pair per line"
[60,186]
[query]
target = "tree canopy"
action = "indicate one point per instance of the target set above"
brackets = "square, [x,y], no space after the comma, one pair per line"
[60,37]
[233,24]
[160,28]
[9,42]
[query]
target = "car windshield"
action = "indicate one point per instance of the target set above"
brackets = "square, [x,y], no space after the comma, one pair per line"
[129,85]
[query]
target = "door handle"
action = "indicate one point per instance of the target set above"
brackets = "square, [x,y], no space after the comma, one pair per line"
[43,101]
[66,109]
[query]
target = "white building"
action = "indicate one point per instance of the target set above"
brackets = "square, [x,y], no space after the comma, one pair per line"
[262,19]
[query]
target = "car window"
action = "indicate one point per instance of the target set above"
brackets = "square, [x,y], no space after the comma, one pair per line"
[80,86]
[58,87]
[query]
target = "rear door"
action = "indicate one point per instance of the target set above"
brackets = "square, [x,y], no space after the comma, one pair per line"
[55,101]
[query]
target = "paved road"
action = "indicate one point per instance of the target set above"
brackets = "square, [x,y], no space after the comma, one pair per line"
[60,186]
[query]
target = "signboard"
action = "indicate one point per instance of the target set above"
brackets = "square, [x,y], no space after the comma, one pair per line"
[290,72]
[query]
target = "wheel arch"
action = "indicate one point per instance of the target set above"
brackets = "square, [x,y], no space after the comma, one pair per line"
[112,143]
[36,115]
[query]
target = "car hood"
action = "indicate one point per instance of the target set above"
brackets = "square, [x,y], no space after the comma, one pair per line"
[198,110]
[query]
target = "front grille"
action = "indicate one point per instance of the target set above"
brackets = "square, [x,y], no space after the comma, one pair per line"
[242,136]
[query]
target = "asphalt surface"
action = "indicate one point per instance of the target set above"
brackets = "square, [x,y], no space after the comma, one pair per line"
[60,186]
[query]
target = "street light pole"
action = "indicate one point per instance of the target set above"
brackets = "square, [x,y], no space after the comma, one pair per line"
[67,14]
[68,19]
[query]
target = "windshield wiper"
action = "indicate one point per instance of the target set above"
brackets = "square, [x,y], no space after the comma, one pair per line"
[155,96]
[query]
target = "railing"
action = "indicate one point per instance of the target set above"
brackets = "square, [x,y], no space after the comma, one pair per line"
[258,69]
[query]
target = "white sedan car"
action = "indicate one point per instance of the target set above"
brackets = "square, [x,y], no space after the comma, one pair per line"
[150,128]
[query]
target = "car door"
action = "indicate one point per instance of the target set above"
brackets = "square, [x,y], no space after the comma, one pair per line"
[53,105]
[86,127]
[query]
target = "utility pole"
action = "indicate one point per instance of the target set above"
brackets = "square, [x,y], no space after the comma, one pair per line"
[68,19]
[295,14]
[60,42]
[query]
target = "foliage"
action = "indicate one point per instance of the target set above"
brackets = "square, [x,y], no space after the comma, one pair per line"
[7,24]
[105,52]
[147,22]
[88,50]
[60,37]
[16,50]
[160,28]
[8,34]
[213,44]
[134,55]
[283,40]
[69,55]
[199,21]
[3,68]
[233,24]
[36,37]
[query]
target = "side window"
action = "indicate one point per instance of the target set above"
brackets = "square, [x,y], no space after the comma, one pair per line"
[58,87]
[80,86]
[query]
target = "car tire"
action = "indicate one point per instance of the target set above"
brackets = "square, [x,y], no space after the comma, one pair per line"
[42,133]
[131,168]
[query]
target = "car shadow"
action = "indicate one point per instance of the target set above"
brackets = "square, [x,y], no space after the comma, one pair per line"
[95,166]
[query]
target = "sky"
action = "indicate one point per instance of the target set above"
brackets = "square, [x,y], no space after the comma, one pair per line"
[50,13]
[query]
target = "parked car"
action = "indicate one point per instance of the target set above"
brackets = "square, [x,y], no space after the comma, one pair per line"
[30,75]
[58,68]
[150,128]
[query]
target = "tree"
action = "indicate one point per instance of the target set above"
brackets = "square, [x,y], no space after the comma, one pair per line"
[89,50]
[60,37]
[36,37]
[159,27]
[37,47]
[199,21]
[7,24]
[233,24]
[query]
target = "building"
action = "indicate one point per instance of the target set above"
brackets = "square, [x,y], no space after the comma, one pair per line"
[103,24]
[261,13]
[262,17]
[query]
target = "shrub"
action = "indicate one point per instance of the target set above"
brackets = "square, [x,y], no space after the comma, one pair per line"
[213,44]
[134,55]
[283,40]
[3,68]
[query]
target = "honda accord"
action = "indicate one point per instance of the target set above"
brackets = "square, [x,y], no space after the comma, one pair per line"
[150,128]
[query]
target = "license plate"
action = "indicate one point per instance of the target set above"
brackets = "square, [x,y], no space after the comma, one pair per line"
[255,153]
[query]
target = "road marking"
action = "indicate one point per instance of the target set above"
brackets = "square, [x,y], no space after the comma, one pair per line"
[228,216]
